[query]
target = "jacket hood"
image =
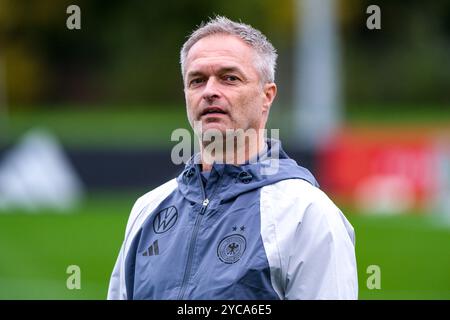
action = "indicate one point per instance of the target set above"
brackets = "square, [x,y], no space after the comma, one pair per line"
[227,181]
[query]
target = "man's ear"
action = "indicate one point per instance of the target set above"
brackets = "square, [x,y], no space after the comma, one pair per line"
[270,92]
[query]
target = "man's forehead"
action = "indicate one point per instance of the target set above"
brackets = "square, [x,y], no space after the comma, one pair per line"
[220,46]
[214,66]
[219,52]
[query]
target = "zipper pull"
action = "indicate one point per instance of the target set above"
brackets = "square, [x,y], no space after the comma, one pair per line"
[204,204]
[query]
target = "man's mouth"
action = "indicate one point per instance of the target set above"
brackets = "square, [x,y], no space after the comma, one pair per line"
[212,111]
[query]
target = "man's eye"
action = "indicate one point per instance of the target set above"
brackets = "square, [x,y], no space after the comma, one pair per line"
[231,78]
[196,81]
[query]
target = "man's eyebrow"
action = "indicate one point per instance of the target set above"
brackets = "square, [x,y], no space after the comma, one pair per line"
[222,70]
[230,69]
[194,74]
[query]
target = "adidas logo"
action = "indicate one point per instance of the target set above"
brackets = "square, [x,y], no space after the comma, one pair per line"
[153,250]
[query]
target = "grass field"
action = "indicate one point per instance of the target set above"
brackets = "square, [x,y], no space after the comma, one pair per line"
[412,252]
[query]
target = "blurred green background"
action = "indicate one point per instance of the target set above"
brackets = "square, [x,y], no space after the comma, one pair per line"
[115,85]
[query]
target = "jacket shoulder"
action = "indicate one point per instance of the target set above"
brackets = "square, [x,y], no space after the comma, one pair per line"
[298,194]
[149,200]
[301,202]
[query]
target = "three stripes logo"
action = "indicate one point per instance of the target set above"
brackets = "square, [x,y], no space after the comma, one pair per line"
[165,219]
[153,250]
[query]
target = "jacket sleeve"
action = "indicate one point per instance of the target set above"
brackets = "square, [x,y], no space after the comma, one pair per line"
[117,287]
[116,290]
[322,263]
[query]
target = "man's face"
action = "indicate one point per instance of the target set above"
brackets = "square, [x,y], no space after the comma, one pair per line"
[222,86]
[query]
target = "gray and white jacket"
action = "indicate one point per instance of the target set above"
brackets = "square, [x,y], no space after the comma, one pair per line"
[243,234]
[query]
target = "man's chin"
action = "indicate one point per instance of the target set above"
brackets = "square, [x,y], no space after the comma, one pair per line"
[215,128]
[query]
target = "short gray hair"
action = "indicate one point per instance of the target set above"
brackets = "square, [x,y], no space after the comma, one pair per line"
[221,25]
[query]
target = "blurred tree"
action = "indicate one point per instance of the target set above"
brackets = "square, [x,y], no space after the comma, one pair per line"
[22,25]
[405,61]
[128,52]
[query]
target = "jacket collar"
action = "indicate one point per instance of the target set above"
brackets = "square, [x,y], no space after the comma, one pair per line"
[227,181]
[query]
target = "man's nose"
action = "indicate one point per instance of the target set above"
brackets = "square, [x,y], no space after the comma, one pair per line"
[211,91]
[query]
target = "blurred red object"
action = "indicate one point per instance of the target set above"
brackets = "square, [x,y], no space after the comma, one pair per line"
[389,171]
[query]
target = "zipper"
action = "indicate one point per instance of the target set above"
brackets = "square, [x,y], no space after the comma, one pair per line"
[193,240]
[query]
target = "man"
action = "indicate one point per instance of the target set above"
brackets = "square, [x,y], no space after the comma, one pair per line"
[228,227]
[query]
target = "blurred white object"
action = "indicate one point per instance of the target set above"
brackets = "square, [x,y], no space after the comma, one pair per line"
[385,194]
[441,203]
[36,174]
[317,75]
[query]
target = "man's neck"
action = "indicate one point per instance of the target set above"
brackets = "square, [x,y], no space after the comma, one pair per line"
[235,153]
